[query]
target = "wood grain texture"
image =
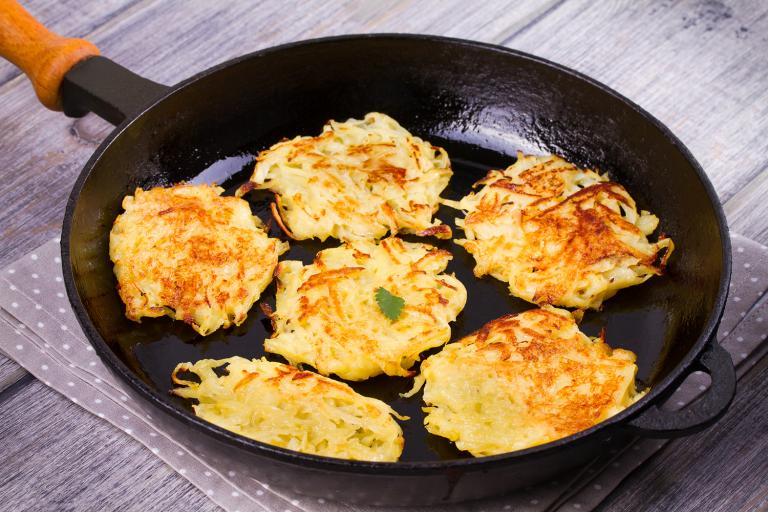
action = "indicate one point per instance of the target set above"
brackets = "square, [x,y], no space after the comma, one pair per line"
[63,458]
[746,209]
[721,469]
[697,65]
[10,372]
[71,18]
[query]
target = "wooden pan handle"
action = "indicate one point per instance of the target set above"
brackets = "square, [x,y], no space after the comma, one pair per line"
[45,57]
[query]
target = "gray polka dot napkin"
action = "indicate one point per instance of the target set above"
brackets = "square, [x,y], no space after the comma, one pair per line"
[38,330]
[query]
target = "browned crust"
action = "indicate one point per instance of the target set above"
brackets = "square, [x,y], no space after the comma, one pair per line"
[269,313]
[245,188]
[441,231]
[276,215]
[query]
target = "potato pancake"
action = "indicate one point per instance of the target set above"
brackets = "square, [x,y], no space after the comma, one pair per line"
[524,380]
[278,404]
[193,255]
[558,234]
[356,180]
[327,314]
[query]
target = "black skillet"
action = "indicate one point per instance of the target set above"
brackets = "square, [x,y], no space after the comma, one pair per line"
[480,102]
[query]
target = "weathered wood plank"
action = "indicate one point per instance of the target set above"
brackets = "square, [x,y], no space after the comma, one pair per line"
[686,62]
[746,209]
[71,18]
[698,65]
[46,151]
[10,372]
[721,469]
[56,456]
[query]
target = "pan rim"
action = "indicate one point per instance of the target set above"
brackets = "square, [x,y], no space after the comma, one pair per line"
[406,467]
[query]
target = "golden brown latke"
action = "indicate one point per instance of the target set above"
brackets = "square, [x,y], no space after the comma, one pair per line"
[524,380]
[278,404]
[327,315]
[559,234]
[356,180]
[193,255]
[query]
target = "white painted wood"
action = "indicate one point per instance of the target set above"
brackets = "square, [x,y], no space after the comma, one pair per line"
[746,210]
[698,65]
[56,456]
[701,67]
[70,18]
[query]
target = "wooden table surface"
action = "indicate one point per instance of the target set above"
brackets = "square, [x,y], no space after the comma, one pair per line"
[700,66]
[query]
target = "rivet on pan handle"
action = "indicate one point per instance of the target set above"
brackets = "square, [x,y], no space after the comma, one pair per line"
[707,409]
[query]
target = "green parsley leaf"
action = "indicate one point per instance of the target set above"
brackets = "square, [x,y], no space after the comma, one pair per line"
[390,305]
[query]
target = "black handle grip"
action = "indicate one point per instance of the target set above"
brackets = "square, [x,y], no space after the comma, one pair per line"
[656,422]
[107,89]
